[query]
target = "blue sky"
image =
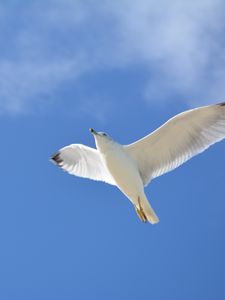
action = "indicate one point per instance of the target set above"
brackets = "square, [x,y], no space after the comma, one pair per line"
[123,68]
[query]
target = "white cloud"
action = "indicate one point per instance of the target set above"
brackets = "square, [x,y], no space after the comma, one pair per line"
[21,84]
[47,43]
[181,41]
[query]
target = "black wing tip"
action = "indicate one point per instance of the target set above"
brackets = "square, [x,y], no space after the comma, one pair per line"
[56,159]
[221,104]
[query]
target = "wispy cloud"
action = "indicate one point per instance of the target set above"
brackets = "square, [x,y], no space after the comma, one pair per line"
[46,43]
[181,42]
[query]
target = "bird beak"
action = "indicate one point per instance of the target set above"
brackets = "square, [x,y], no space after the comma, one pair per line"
[92,131]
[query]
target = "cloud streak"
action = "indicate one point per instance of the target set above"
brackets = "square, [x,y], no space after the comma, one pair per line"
[50,42]
[181,41]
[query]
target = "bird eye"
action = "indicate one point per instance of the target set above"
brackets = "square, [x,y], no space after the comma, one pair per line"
[104,134]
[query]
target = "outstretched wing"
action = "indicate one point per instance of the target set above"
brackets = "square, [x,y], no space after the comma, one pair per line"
[179,139]
[82,161]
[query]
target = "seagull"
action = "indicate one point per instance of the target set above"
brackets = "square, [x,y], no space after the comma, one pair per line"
[132,167]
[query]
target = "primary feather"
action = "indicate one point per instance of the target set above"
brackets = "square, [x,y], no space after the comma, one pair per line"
[82,161]
[178,140]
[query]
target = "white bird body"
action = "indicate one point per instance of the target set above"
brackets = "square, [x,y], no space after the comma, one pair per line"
[125,173]
[123,170]
[133,166]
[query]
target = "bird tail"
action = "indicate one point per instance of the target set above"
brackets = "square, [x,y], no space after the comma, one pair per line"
[149,211]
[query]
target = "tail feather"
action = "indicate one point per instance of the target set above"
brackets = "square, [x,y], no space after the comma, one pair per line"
[149,211]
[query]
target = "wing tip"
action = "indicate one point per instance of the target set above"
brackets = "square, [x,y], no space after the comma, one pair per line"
[56,159]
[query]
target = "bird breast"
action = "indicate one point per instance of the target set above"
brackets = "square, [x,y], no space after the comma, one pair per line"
[124,171]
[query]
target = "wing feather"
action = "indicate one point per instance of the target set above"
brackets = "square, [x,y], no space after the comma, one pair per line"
[82,161]
[179,139]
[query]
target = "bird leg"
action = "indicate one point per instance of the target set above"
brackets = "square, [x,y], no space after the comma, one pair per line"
[140,212]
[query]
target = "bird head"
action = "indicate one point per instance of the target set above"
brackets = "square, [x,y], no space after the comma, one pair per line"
[102,140]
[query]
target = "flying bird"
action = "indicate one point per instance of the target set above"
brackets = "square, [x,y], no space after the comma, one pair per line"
[132,167]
